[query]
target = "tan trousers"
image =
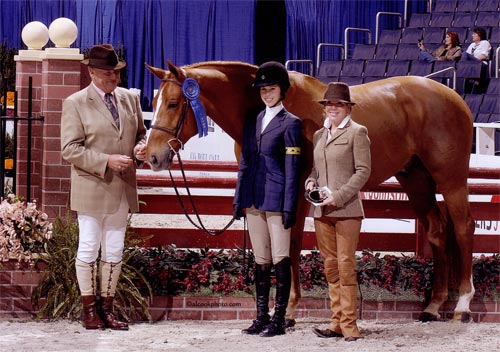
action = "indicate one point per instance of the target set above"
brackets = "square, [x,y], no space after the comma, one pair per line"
[270,240]
[337,241]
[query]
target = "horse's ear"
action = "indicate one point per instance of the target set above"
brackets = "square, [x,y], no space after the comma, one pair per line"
[158,72]
[176,71]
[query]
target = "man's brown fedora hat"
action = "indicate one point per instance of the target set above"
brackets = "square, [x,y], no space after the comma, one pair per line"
[337,92]
[104,56]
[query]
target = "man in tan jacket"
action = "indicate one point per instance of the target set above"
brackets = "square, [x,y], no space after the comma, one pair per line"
[102,134]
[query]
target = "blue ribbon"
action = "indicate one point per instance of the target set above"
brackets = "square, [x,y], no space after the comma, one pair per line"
[191,90]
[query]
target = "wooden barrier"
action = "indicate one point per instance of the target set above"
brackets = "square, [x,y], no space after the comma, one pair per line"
[377,205]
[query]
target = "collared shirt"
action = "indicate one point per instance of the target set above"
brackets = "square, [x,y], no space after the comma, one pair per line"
[102,94]
[270,114]
[327,124]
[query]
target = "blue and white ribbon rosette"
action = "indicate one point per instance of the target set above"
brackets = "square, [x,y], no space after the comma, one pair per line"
[191,90]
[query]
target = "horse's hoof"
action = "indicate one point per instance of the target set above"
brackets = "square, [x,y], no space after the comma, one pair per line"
[289,323]
[463,317]
[426,317]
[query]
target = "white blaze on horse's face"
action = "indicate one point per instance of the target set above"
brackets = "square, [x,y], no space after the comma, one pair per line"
[156,109]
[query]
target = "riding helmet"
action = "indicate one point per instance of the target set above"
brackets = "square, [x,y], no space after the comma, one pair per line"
[270,73]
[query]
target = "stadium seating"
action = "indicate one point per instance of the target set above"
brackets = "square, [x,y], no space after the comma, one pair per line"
[466,5]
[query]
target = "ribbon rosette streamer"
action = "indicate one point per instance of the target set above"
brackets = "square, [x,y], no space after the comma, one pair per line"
[191,90]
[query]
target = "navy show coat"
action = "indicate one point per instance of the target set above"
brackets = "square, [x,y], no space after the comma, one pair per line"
[270,163]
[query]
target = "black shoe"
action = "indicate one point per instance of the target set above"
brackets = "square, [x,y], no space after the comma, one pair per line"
[326,334]
[257,326]
[274,328]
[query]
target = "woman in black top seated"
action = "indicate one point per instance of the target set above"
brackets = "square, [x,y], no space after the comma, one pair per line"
[449,51]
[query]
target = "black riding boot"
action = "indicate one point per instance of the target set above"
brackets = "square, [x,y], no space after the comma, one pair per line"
[262,287]
[283,284]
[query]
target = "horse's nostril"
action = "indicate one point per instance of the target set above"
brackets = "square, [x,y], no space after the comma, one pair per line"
[154,160]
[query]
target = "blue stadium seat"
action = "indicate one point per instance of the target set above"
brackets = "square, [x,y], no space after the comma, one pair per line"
[487,5]
[469,69]
[386,51]
[420,68]
[329,71]
[375,68]
[482,118]
[442,19]
[445,6]
[407,52]
[397,68]
[411,35]
[466,5]
[494,87]
[352,80]
[462,33]
[390,36]
[419,20]
[488,19]
[352,68]
[464,19]
[433,35]
[473,102]
[364,52]
[495,37]
[490,105]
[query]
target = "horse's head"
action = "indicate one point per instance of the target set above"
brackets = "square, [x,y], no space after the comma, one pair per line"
[173,121]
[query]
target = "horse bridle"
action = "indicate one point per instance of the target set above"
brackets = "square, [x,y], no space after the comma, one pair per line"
[177,131]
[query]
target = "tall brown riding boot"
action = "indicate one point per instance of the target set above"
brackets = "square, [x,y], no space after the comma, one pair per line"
[110,319]
[86,276]
[110,273]
[91,320]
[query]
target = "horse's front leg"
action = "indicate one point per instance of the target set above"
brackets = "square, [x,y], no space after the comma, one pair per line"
[295,293]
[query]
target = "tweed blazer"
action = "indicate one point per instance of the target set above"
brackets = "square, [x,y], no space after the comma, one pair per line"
[88,136]
[343,164]
[268,177]
[454,54]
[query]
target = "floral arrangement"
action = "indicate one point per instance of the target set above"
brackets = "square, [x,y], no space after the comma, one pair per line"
[173,271]
[23,229]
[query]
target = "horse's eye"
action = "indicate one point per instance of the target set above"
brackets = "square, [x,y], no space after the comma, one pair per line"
[173,105]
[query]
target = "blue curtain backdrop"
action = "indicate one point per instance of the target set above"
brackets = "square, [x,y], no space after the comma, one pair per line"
[189,31]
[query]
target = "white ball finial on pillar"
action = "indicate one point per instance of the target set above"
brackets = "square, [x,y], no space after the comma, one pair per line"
[63,32]
[35,35]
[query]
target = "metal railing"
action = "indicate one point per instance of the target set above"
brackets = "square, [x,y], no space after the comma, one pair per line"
[288,63]
[377,21]
[11,173]
[454,77]
[346,37]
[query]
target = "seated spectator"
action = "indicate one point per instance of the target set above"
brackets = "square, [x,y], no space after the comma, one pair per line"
[449,51]
[480,48]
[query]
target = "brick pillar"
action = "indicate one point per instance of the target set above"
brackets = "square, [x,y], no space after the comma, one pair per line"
[28,64]
[59,77]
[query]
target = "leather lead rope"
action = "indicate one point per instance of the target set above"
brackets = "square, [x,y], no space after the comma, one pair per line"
[200,224]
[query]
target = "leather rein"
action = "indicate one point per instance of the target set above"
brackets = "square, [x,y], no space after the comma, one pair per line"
[176,132]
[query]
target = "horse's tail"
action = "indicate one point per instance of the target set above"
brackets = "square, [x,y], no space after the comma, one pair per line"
[453,252]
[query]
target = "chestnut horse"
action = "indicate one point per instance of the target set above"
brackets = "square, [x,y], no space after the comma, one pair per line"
[420,132]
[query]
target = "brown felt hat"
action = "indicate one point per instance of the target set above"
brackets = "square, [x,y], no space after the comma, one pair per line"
[337,92]
[104,56]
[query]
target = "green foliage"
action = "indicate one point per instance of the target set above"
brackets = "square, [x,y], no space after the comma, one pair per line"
[8,65]
[57,295]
